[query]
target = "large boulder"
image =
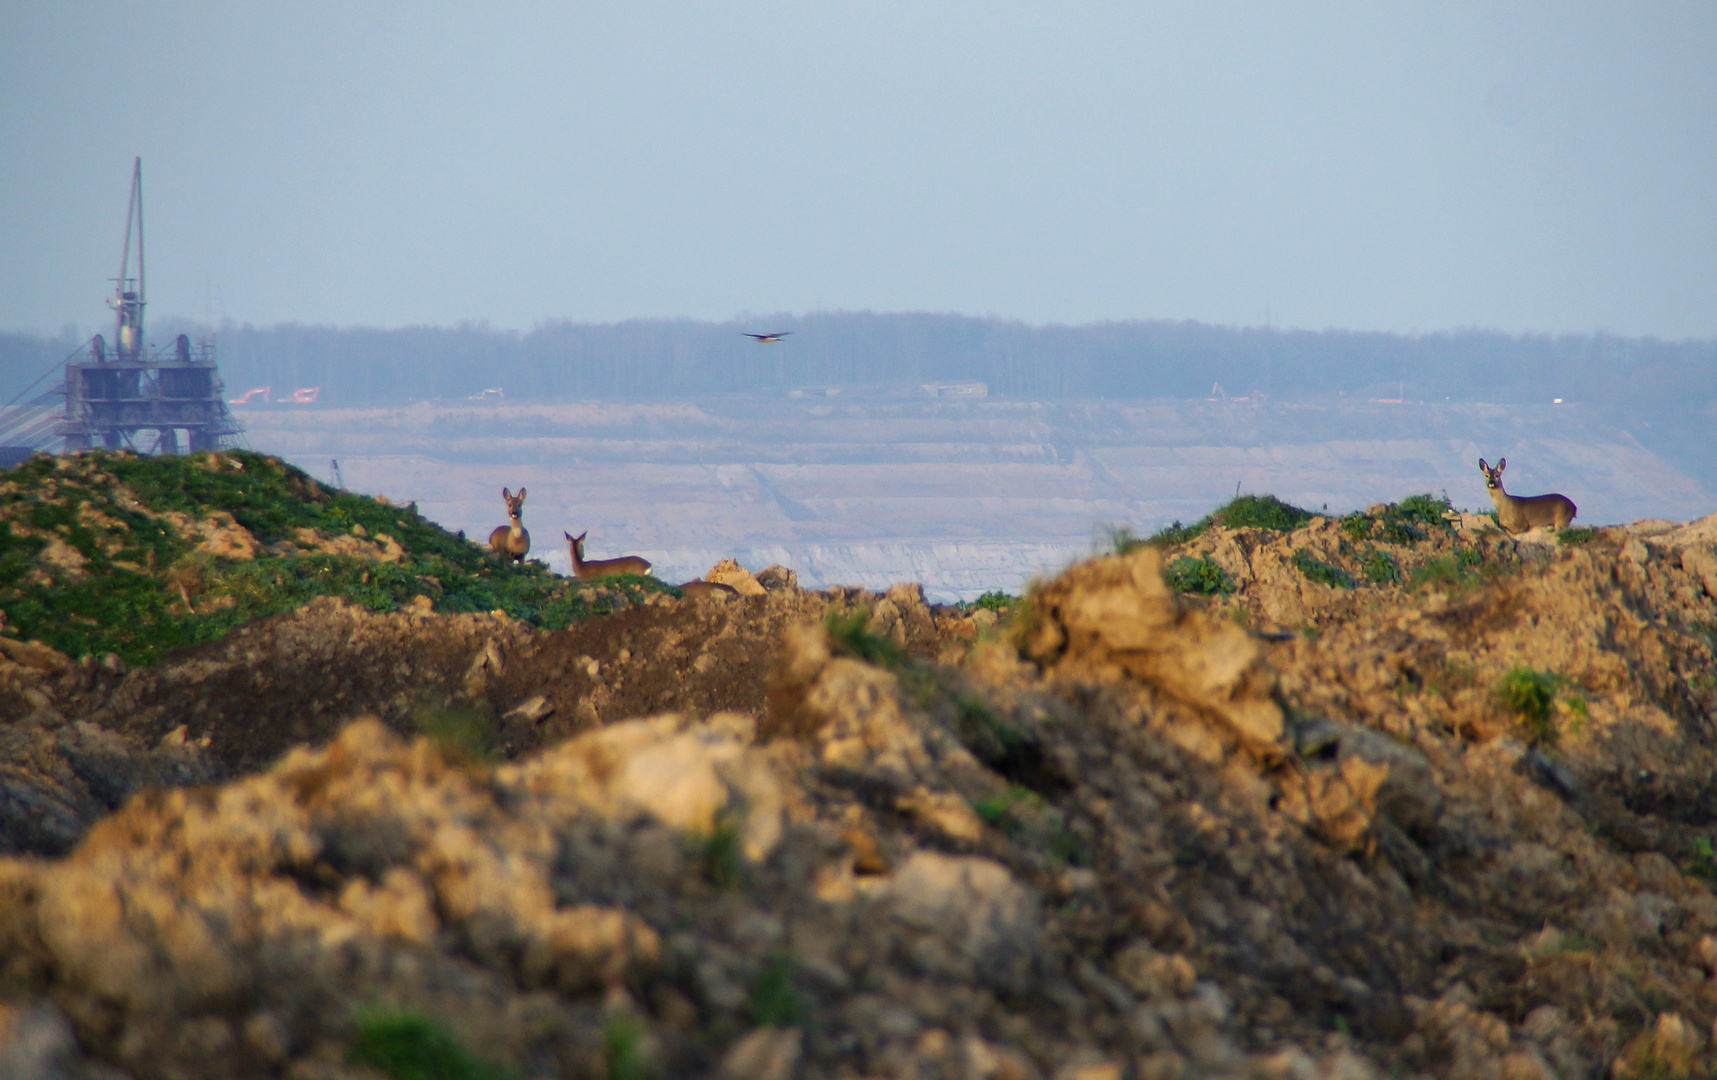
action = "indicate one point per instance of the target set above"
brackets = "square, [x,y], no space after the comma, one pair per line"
[1116,615]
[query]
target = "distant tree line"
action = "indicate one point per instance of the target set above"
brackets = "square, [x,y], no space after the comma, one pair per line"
[674,358]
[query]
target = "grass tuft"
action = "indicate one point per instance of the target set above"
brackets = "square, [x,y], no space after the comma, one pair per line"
[406,1045]
[776,1000]
[464,734]
[1531,696]
[1576,536]
[1379,568]
[849,632]
[719,853]
[623,1049]
[1318,570]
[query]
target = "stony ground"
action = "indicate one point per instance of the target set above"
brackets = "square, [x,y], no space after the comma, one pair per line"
[1449,817]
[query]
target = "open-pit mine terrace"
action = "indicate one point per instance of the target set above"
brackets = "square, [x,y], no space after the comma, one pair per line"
[964,495]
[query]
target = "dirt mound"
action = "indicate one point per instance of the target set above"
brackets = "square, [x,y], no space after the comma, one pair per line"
[1392,795]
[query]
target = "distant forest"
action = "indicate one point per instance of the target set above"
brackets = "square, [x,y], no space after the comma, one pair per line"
[681,358]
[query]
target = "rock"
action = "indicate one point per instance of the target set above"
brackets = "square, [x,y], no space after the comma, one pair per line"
[765,1054]
[777,578]
[34,654]
[1409,794]
[691,779]
[531,710]
[730,573]
[1117,612]
[977,909]
[59,554]
[1153,975]
[1700,560]
[37,1043]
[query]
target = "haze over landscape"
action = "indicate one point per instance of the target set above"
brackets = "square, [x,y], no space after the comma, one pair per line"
[523,247]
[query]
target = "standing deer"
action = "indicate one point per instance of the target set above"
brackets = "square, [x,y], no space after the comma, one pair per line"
[1516,514]
[598,568]
[512,541]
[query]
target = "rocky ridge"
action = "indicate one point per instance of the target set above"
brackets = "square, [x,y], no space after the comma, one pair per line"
[1295,829]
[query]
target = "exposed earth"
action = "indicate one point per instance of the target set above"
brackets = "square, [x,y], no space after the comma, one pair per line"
[1386,795]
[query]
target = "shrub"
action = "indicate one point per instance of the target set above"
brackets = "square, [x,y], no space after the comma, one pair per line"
[995,600]
[408,1045]
[1446,572]
[1320,571]
[1379,568]
[1531,695]
[1201,577]
[1261,512]
[1357,526]
[1426,510]
[1576,536]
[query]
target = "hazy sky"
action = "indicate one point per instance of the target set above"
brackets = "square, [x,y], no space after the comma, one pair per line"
[1542,167]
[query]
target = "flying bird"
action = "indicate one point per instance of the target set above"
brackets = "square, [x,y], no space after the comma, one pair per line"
[769,339]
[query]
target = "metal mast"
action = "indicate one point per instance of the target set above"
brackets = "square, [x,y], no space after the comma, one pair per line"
[128,298]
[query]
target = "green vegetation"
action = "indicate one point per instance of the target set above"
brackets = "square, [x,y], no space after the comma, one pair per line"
[850,633]
[623,1049]
[1201,577]
[1405,522]
[1323,573]
[1240,512]
[465,734]
[1029,818]
[718,853]
[1177,533]
[994,600]
[1123,540]
[1576,536]
[1531,695]
[1261,512]
[1356,526]
[1703,861]
[91,562]
[1448,573]
[408,1045]
[1379,568]
[776,1000]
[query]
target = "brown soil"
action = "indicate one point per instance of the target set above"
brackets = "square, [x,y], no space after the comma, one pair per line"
[1297,831]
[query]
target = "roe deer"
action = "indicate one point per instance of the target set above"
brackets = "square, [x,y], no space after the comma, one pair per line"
[512,541]
[698,589]
[597,568]
[1517,514]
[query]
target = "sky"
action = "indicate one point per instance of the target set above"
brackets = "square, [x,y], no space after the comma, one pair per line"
[1546,167]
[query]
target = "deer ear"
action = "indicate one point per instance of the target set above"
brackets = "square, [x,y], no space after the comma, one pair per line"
[582,535]
[1501,464]
[521,494]
[505,494]
[566,534]
[1483,467]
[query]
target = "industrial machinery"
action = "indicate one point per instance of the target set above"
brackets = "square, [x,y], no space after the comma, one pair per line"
[120,393]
